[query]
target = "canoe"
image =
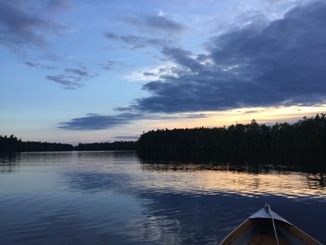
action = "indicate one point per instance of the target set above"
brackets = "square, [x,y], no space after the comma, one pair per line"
[267,227]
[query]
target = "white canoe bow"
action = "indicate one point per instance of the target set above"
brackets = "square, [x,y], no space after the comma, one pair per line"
[267,227]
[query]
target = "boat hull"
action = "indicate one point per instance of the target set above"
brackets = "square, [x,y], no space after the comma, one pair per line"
[266,227]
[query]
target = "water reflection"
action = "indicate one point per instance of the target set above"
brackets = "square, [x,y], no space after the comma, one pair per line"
[9,163]
[113,198]
[106,156]
[317,180]
[92,182]
[246,180]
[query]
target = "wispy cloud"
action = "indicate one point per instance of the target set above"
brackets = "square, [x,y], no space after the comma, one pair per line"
[109,65]
[38,64]
[67,83]
[136,41]
[159,24]
[72,78]
[150,31]
[21,28]
[26,28]
[126,137]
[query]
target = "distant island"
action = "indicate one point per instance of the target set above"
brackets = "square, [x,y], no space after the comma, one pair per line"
[304,139]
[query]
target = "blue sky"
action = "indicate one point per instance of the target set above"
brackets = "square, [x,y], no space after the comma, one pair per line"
[93,71]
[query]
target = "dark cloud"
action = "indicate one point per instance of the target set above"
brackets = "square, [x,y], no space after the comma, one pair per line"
[98,122]
[20,27]
[72,78]
[280,63]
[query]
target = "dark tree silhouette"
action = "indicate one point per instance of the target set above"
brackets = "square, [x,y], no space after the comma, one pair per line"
[107,146]
[12,144]
[306,137]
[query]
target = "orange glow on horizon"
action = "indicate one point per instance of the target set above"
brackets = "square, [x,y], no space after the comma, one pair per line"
[267,115]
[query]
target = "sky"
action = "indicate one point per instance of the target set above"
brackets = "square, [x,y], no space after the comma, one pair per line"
[76,71]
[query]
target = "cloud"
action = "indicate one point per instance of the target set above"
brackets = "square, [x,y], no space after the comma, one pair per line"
[98,122]
[109,65]
[72,78]
[20,26]
[77,72]
[57,5]
[37,64]
[151,31]
[61,79]
[162,23]
[156,24]
[94,121]
[149,74]
[137,41]
[29,25]
[131,138]
[280,63]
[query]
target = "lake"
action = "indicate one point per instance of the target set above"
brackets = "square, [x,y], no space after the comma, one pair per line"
[113,197]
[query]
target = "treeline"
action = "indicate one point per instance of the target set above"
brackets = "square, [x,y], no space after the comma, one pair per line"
[239,140]
[13,144]
[45,146]
[10,144]
[117,145]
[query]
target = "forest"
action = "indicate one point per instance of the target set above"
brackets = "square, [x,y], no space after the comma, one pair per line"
[107,146]
[300,141]
[13,144]
[303,139]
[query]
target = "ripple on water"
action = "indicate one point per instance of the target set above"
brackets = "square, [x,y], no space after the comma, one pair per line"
[105,198]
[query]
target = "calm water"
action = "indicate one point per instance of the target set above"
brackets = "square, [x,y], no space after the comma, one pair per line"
[114,198]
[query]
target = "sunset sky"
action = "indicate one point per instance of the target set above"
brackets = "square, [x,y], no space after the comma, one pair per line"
[93,71]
